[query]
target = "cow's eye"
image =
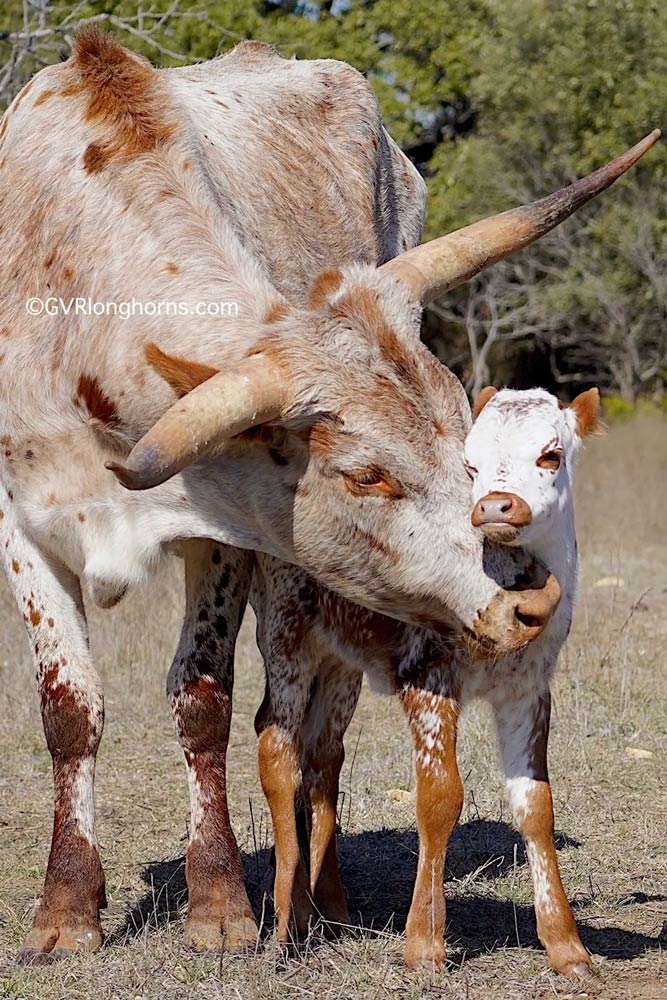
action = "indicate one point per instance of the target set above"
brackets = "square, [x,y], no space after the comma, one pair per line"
[550,460]
[372,481]
[471,470]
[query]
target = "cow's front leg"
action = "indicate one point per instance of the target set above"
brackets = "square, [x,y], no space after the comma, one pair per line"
[433,720]
[200,692]
[523,733]
[49,596]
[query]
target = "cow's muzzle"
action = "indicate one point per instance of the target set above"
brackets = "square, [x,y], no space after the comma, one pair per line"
[501,516]
[514,619]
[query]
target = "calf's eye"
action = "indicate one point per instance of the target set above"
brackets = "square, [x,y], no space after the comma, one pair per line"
[550,460]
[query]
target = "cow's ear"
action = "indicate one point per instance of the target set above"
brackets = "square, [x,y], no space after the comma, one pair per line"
[182,374]
[587,410]
[482,399]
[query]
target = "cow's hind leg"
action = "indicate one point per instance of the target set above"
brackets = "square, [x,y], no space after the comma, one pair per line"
[67,919]
[200,692]
[523,733]
[331,710]
[433,720]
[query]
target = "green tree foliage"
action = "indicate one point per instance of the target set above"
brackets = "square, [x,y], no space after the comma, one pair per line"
[498,102]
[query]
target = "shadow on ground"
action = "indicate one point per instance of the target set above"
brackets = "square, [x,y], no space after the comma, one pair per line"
[379,869]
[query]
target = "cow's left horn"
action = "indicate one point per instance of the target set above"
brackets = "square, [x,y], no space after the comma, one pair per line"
[198,424]
[434,268]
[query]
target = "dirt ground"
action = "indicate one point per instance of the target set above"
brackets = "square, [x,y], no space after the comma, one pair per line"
[607,764]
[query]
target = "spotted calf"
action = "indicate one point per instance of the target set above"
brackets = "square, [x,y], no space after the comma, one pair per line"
[520,455]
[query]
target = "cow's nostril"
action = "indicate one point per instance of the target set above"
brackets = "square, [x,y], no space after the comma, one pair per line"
[506,506]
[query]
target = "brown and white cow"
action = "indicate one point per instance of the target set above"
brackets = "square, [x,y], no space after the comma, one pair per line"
[316,646]
[325,434]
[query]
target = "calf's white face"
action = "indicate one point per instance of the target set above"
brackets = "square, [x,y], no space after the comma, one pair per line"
[519,455]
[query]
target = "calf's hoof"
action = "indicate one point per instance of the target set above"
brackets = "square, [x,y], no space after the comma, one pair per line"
[571,960]
[44,945]
[425,955]
[581,969]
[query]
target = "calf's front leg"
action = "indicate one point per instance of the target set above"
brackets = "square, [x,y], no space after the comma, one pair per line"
[433,721]
[199,688]
[330,715]
[523,733]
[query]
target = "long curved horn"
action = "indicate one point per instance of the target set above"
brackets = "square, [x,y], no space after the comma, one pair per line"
[434,268]
[228,403]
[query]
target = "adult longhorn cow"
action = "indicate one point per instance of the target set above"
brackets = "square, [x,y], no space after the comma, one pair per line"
[325,433]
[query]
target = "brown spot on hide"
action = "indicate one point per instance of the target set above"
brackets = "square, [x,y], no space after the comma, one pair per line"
[324,286]
[35,617]
[323,437]
[123,94]
[81,516]
[15,566]
[171,268]
[43,97]
[203,701]
[68,273]
[277,310]
[360,304]
[96,158]
[181,374]
[98,404]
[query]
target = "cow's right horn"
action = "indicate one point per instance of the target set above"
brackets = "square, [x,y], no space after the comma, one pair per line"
[250,393]
[434,268]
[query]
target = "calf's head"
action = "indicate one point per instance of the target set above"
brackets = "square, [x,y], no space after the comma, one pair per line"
[520,455]
[352,436]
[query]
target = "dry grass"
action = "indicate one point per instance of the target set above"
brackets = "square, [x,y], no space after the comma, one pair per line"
[611,806]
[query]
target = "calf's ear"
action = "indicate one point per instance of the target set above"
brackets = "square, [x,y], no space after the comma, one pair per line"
[482,399]
[587,410]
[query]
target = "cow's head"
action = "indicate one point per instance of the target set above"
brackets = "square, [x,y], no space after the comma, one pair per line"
[354,435]
[519,455]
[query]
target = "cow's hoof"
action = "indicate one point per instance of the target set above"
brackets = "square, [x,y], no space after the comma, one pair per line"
[203,938]
[45,945]
[241,935]
[427,956]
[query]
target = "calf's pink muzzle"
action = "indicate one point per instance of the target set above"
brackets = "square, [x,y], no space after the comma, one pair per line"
[501,516]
